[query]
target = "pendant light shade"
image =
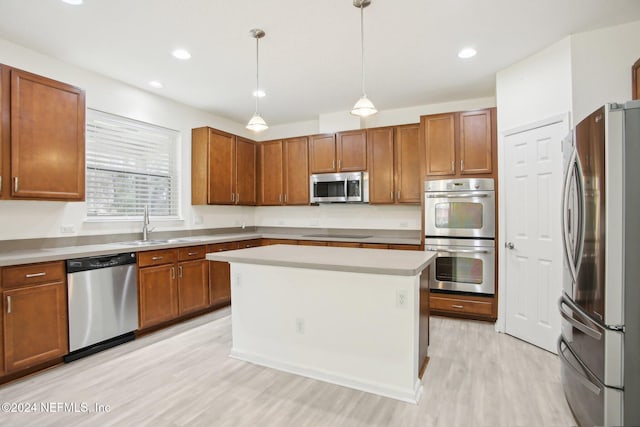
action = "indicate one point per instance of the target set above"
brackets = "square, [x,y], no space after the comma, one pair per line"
[364,107]
[257,123]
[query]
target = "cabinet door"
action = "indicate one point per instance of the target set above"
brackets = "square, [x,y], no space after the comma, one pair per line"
[352,151]
[35,325]
[220,275]
[5,135]
[296,171]
[635,80]
[193,285]
[345,244]
[407,159]
[476,142]
[221,168]
[47,138]
[158,296]
[440,141]
[322,153]
[270,191]
[381,177]
[245,172]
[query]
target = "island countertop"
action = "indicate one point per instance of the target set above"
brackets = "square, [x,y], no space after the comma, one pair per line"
[356,260]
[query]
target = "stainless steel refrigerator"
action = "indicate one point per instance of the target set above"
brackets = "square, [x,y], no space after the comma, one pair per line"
[600,344]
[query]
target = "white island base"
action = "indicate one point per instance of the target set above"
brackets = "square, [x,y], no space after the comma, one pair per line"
[356,329]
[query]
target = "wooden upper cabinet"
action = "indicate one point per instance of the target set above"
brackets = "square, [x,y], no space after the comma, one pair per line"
[351,153]
[439,132]
[408,186]
[43,131]
[322,153]
[223,168]
[459,144]
[245,172]
[270,188]
[296,171]
[635,80]
[381,165]
[476,142]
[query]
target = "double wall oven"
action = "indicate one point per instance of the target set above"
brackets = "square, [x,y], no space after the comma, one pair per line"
[460,227]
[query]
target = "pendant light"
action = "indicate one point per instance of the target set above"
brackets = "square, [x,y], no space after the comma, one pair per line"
[364,107]
[257,123]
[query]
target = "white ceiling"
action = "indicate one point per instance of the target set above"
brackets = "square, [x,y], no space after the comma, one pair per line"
[310,57]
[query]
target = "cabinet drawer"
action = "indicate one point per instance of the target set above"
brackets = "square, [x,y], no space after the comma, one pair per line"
[192,252]
[405,247]
[31,274]
[249,243]
[461,305]
[158,257]
[219,247]
[375,246]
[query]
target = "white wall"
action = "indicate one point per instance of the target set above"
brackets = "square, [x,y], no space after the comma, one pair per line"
[32,219]
[535,88]
[601,65]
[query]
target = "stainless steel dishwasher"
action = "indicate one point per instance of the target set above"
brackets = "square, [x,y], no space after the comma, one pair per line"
[103,303]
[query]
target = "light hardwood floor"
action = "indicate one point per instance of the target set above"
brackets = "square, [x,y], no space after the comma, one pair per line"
[183,376]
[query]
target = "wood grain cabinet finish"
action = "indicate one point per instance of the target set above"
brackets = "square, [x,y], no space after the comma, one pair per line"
[220,275]
[475,307]
[342,152]
[157,289]
[283,172]
[635,80]
[34,321]
[394,165]
[460,144]
[223,168]
[42,131]
[193,279]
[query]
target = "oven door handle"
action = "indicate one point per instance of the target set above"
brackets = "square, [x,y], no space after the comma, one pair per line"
[575,323]
[459,251]
[456,195]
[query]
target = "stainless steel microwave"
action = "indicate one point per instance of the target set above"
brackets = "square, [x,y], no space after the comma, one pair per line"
[351,187]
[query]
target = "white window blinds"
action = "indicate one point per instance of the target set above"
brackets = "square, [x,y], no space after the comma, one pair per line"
[130,164]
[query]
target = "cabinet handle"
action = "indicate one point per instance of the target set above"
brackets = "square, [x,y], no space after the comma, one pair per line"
[233,197]
[30,275]
[461,165]
[285,197]
[280,198]
[192,253]
[8,304]
[457,306]
[15,184]
[453,166]
[180,271]
[398,196]
[237,197]
[156,258]
[333,164]
[391,196]
[173,273]
[339,163]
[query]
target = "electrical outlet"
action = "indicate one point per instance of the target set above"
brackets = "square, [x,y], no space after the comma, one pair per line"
[401,298]
[300,325]
[67,229]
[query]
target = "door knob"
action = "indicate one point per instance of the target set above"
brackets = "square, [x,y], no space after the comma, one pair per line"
[509,245]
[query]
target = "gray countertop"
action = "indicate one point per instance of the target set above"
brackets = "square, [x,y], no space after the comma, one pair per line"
[357,260]
[17,256]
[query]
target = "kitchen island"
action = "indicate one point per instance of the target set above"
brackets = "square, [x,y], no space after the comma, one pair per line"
[349,316]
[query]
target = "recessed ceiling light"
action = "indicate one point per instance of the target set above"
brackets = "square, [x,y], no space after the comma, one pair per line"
[73,2]
[181,54]
[259,93]
[467,52]
[156,84]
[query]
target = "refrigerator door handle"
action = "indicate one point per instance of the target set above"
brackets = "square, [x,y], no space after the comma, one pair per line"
[575,323]
[591,386]
[581,212]
[566,231]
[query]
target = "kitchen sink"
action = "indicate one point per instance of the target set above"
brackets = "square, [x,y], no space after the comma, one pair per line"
[159,241]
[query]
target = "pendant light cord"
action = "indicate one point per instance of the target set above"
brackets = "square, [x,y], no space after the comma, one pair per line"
[362,45]
[257,71]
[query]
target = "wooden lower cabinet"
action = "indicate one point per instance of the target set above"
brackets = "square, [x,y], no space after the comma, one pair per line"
[193,286]
[158,294]
[34,320]
[471,306]
[266,242]
[345,244]
[220,275]
[312,243]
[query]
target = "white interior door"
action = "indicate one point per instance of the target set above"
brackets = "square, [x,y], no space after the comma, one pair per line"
[532,237]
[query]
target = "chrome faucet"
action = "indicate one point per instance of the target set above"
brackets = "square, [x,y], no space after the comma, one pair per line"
[145,224]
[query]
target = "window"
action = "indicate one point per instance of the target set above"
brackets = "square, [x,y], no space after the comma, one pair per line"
[130,164]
